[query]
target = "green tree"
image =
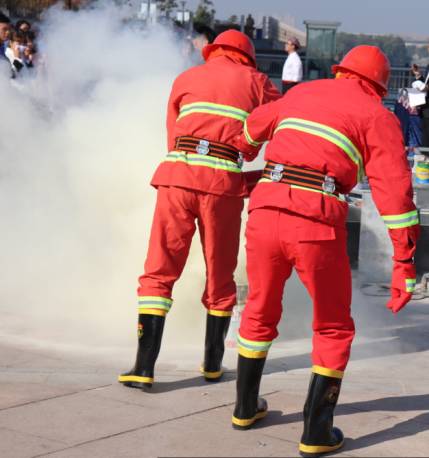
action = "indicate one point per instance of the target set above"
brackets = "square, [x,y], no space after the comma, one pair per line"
[205,12]
[392,45]
[167,6]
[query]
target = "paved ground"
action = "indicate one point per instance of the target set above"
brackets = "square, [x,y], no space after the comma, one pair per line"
[58,403]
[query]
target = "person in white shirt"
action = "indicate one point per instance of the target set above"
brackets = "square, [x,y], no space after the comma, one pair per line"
[292,69]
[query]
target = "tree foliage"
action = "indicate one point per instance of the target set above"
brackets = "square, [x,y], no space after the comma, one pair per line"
[392,45]
[205,12]
[167,6]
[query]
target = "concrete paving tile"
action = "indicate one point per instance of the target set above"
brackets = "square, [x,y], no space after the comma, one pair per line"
[206,434]
[14,444]
[78,418]
[15,393]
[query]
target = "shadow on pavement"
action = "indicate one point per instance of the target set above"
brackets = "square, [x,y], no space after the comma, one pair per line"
[405,428]
[194,382]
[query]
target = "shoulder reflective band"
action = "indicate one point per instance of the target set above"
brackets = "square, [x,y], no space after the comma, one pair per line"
[401,221]
[410,285]
[213,109]
[249,139]
[154,303]
[328,133]
[200,160]
[252,349]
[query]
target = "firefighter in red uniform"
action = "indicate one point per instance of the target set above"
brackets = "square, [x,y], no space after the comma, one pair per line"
[200,181]
[324,136]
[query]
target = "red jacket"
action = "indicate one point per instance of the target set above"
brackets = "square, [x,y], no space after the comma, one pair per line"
[211,101]
[340,128]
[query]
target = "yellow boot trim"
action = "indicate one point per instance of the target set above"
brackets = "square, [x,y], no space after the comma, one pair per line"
[152,312]
[211,374]
[252,354]
[250,421]
[135,378]
[219,313]
[319,448]
[328,372]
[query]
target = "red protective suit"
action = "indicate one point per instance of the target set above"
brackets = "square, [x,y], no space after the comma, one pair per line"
[209,102]
[340,128]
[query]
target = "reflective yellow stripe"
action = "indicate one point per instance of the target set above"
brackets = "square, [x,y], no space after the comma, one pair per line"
[219,313]
[154,303]
[253,344]
[328,372]
[319,448]
[294,186]
[249,139]
[135,378]
[303,188]
[410,285]
[251,353]
[403,220]
[213,109]
[211,375]
[328,133]
[200,160]
[152,312]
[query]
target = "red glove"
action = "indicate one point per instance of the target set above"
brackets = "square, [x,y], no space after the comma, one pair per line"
[403,285]
[249,152]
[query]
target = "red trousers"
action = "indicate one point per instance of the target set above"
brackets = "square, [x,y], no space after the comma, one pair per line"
[174,224]
[278,241]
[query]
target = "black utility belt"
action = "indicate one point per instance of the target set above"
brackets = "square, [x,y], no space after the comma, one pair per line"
[208,148]
[298,176]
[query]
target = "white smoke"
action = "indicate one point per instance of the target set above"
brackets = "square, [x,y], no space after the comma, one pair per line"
[79,143]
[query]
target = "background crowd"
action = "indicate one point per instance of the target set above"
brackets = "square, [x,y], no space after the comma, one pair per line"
[17,44]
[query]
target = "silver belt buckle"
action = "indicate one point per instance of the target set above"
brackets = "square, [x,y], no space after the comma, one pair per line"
[203,147]
[329,185]
[277,173]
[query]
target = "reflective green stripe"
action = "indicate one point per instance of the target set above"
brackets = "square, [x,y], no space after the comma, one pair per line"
[213,109]
[400,221]
[155,302]
[410,285]
[328,133]
[253,345]
[200,160]
[249,139]
[294,186]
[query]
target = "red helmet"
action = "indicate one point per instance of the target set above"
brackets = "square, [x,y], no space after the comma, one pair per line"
[369,62]
[235,40]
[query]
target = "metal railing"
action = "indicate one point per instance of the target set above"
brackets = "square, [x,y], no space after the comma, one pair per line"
[272,65]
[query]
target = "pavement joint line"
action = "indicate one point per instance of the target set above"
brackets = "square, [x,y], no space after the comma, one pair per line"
[33,435]
[151,425]
[54,397]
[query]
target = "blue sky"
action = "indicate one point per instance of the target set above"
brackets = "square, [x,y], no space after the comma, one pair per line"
[365,16]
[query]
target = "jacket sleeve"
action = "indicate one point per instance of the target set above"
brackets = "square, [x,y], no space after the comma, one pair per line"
[173,111]
[269,93]
[258,128]
[389,176]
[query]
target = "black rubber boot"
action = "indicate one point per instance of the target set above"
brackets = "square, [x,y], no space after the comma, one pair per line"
[216,330]
[249,407]
[150,329]
[320,436]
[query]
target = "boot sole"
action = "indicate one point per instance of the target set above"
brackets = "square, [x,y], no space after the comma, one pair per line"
[247,424]
[310,451]
[135,381]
